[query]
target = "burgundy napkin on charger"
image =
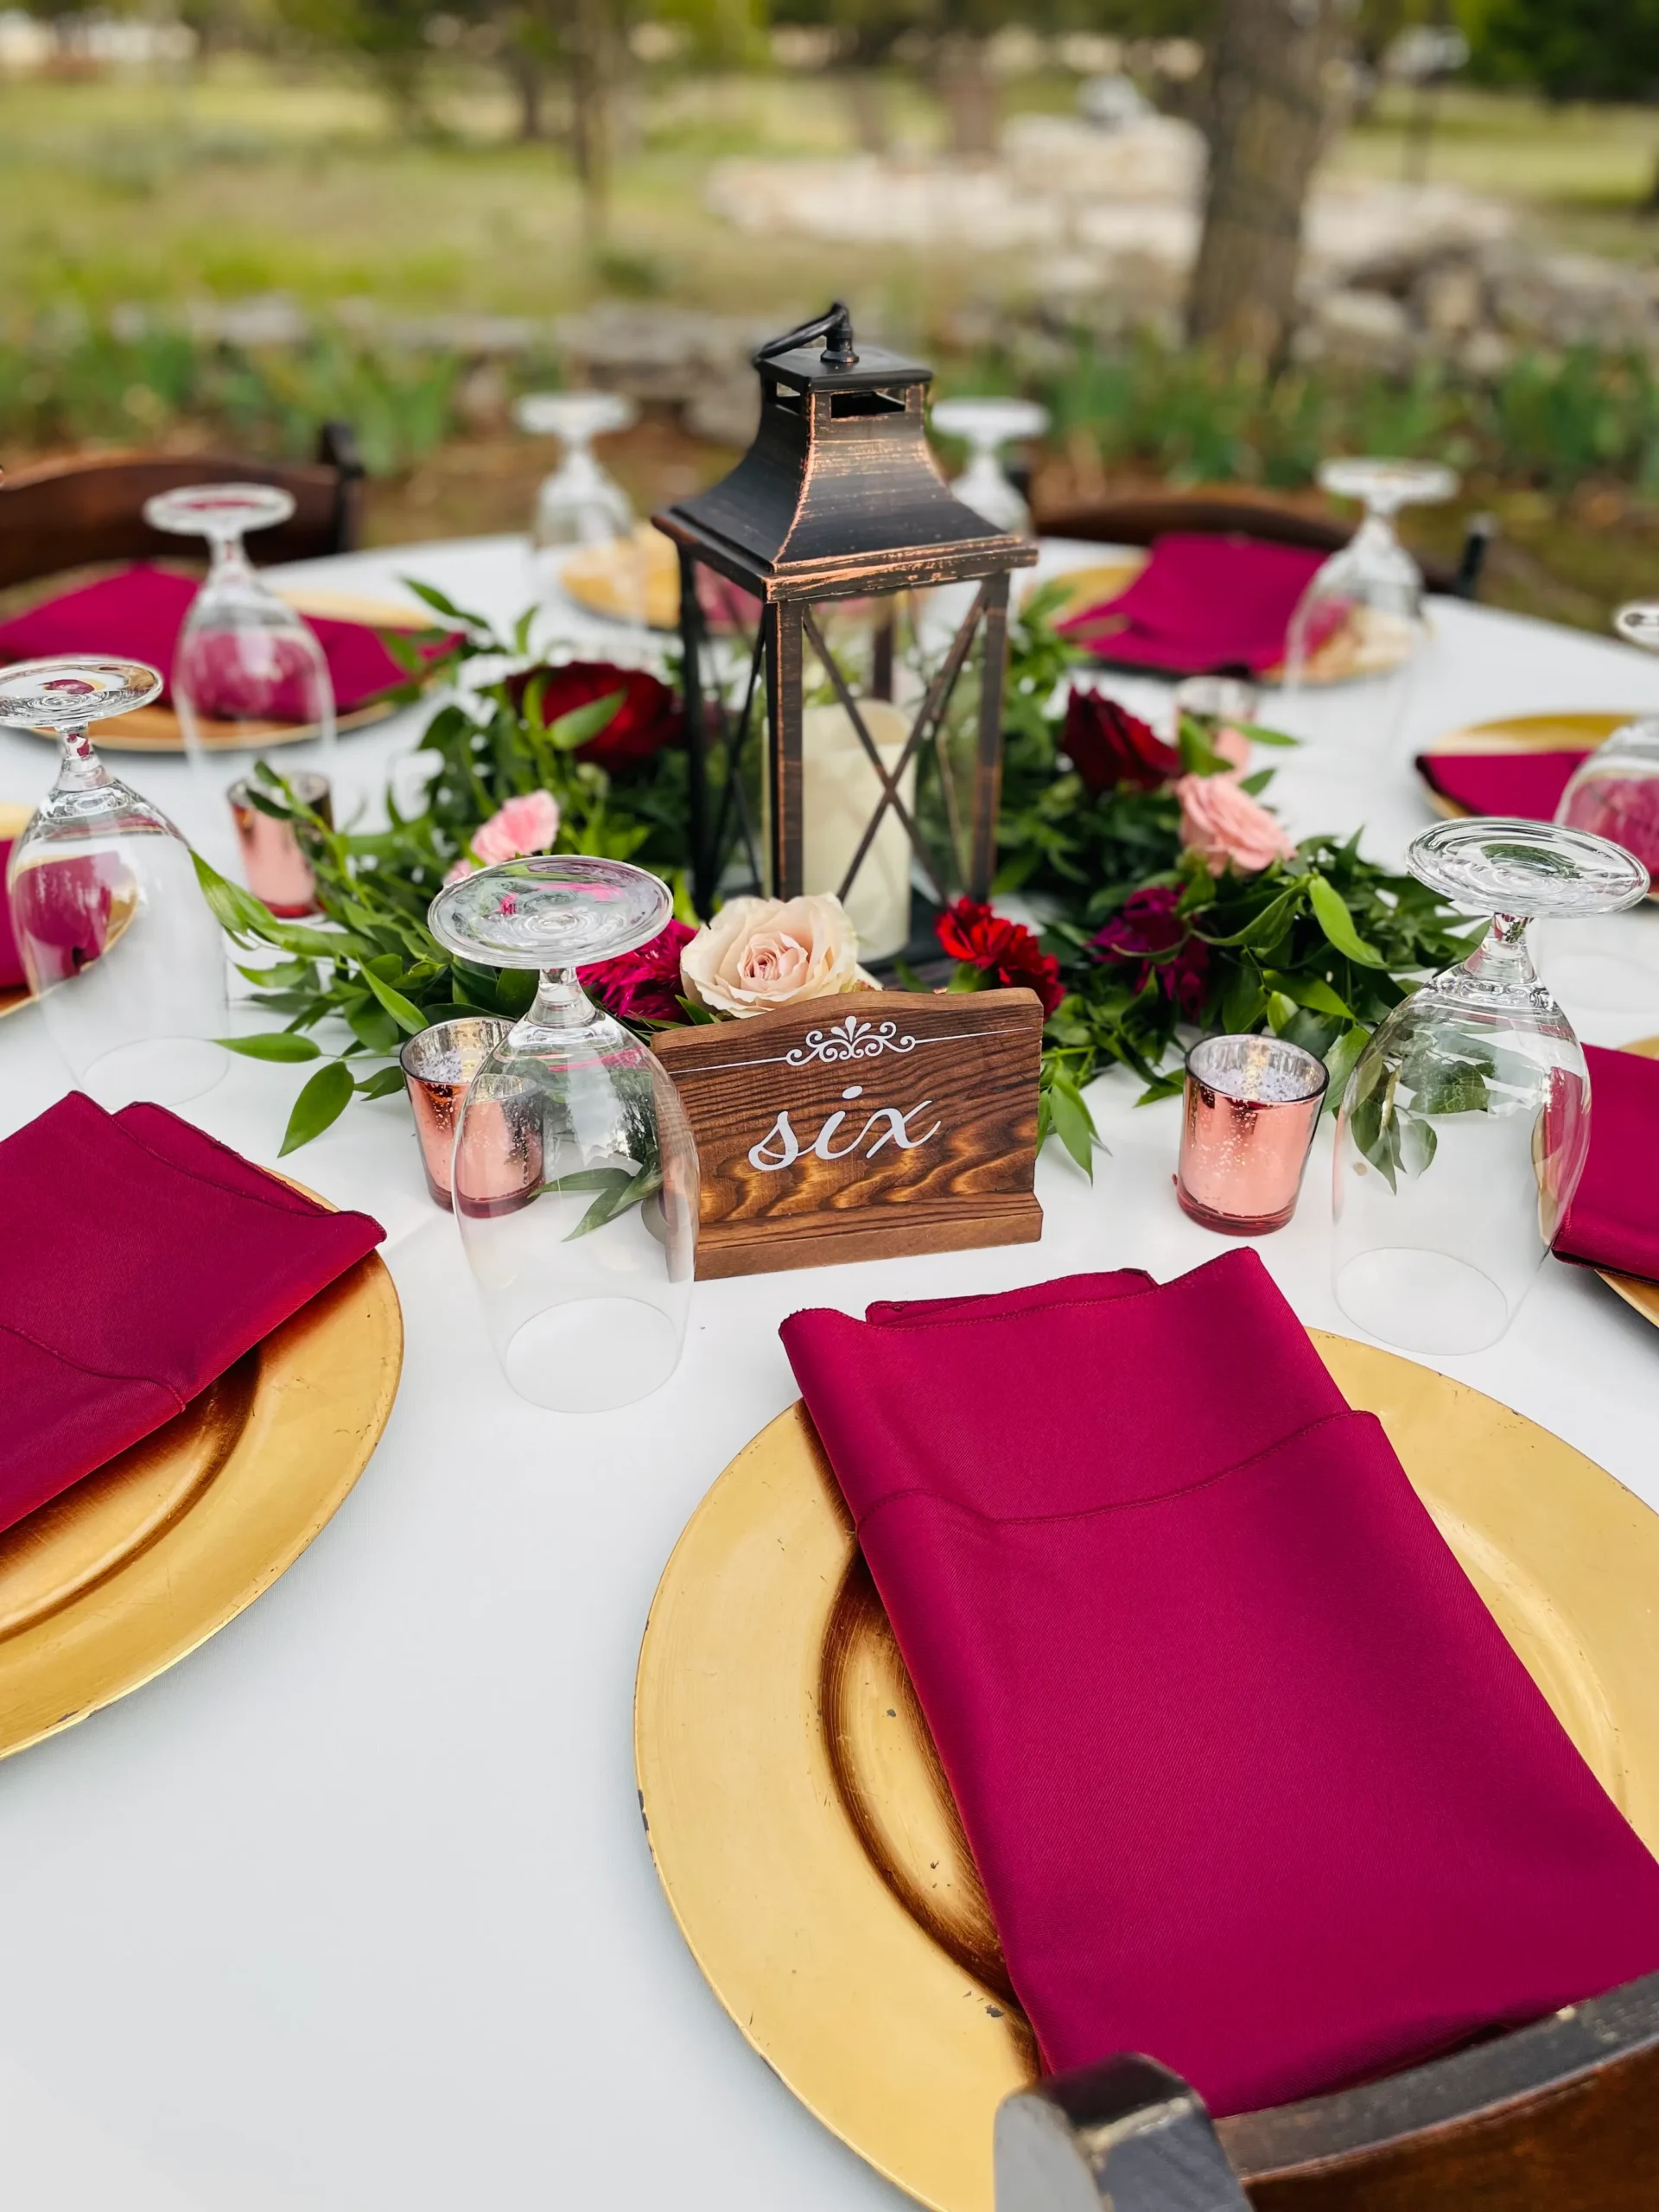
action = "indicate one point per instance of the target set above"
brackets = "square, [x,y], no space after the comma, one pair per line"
[140,613]
[1527,785]
[1613,1221]
[142,1259]
[1202,602]
[1253,1780]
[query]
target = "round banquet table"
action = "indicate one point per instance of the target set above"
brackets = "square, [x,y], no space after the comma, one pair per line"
[351,1910]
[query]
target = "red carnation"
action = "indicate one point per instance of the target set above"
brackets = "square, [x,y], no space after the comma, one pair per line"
[1107,745]
[1005,952]
[1148,929]
[647,719]
[643,985]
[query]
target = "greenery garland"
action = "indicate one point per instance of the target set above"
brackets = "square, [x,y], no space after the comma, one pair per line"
[1148,944]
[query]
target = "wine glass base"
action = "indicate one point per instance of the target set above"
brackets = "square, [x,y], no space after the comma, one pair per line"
[160,1071]
[592,1355]
[1422,1300]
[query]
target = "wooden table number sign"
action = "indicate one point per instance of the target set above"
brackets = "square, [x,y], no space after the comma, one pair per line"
[860,1127]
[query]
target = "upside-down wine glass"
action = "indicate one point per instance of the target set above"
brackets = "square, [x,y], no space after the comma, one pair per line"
[1465,1124]
[988,425]
[574,1171]
[248,671]
[1362,621]
[116,938]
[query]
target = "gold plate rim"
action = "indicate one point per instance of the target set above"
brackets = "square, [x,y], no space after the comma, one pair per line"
[327,1381]
[905,2059]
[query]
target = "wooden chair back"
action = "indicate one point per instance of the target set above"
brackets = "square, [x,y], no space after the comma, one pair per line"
[71,513]
[1562,2116]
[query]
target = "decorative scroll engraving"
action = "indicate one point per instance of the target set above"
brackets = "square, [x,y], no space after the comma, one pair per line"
[851,1039]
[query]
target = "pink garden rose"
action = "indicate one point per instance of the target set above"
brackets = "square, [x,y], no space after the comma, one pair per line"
[527,824]
[759,953]
[1224,823]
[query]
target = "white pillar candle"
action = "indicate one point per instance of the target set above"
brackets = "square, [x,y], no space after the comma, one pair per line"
[841,792]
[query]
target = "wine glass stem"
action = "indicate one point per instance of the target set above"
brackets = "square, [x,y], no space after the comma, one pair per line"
[230,560]
[81,767]
[1503,955]
[560,1004]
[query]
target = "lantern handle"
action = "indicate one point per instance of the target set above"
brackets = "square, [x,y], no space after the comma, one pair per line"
[834,325]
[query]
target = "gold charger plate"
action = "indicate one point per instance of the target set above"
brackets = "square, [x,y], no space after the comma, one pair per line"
[614,579]
[802,1828]
[111,1584]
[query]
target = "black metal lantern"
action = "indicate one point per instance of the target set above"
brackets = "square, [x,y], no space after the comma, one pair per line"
[839,499]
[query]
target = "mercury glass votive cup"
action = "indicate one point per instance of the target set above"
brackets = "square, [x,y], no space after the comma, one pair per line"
[1251,1108]
[504,1160]
[274,864]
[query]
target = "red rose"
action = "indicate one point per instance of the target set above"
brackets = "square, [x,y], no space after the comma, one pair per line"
[643,985]
[648,718]
[1148,929]
[1108,746]
[1004,952]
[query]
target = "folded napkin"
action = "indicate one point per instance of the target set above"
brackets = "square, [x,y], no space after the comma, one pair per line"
[1613,1221]
[1201,603]
[142,1259]
[12,977]
[1528,785]
[1252,1778]
[140,613]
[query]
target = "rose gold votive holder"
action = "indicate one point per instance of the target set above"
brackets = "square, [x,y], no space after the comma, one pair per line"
[273,860]
[504,1157]
[1252,1106]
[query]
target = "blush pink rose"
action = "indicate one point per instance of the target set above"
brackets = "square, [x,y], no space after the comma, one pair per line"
[523,825]
[761,953]
[1224,823]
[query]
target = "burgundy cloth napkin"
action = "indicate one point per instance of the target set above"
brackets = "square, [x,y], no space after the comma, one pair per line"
[11,961]
[1613,1221]
[1528,785]
[140,613]
[1202,602]
[142,1259]
[1253,1782]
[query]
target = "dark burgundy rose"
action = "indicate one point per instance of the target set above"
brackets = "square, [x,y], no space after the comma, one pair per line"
[643,985]
[1148,931]
[648,718]
[1108,746]
[1005,952]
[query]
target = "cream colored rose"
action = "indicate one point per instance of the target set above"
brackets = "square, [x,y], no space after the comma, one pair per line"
[761,953]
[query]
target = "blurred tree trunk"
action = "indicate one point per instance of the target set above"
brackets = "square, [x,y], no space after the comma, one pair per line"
[971,97]
[1268,112]
[528,78]
[592,85]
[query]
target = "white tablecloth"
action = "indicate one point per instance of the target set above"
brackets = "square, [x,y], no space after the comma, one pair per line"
[351,1911]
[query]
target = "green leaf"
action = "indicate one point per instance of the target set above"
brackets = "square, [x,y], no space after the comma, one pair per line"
[1199,756]
[1340,1059]
[272,1045]
[1253,786]
[1331,912]
[322,1102]
[405,1015]
[381,1084]
[1310,991]
[431,596]
[1417,1143]
[582,723]
[372,1027]
[1259,735]
[1073,1123]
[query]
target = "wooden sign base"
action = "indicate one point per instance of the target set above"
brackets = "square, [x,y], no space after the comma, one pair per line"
[862,1127]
